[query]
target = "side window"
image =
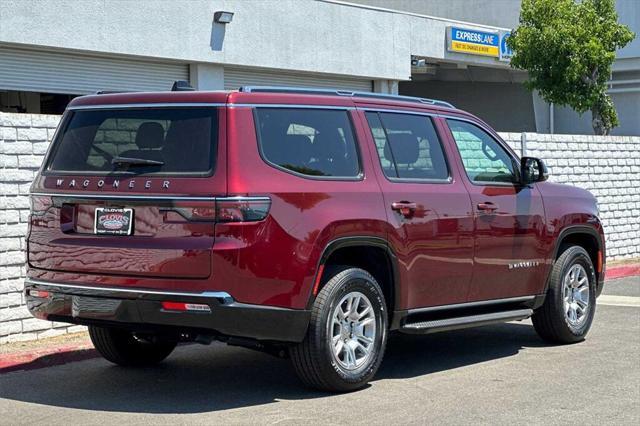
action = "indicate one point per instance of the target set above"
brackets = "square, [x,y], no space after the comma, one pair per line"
[308,141]
[483,158]
[408,146]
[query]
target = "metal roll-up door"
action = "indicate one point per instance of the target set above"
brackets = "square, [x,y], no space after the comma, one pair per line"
[235,78]
[61,72]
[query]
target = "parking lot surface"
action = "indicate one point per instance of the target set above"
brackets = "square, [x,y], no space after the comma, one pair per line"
[501,374]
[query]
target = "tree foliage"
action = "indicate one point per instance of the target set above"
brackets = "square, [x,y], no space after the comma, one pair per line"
[568,47]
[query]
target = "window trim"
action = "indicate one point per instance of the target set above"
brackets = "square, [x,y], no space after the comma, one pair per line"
[447,180]
[66,120]
[359,177]
[514,158]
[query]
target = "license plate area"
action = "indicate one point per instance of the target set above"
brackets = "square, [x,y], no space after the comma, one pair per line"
[93,307]
[113,221]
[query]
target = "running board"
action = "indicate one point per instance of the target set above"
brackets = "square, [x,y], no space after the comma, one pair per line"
[425,327]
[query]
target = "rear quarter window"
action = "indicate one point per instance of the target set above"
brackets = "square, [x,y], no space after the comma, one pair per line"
[311,142]
[162,141]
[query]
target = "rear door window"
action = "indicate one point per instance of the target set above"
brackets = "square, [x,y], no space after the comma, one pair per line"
[162,141]
[312,142]
[408,146]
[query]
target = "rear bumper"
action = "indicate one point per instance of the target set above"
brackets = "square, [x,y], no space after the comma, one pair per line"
[142,309]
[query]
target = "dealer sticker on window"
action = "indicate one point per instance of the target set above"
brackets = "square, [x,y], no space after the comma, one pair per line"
[113,221]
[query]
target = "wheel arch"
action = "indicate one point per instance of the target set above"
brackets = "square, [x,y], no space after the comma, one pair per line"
[370,253]
[588,238]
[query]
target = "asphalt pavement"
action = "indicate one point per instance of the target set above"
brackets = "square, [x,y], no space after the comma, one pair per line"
[501,374]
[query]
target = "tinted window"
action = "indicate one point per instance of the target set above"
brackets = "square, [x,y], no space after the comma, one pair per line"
[174,140]
[483,158]
[308,141]
[408,146]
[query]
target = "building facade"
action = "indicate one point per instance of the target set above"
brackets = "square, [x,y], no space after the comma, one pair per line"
[51,51]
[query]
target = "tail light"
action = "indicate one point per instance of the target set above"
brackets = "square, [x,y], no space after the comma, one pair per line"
[242,209]
[226,209]
[40,204]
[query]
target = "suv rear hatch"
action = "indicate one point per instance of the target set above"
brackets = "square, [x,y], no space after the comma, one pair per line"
[130,190]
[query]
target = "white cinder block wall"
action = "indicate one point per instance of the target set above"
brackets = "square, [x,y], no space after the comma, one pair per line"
[607,166]
[24,139]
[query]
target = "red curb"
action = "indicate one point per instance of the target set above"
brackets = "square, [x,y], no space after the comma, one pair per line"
[46,357]
[622,271]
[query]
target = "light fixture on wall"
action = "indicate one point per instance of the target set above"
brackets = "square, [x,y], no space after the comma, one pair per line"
[221,17]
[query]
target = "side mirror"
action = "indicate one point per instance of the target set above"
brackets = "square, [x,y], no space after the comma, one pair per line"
[532,170]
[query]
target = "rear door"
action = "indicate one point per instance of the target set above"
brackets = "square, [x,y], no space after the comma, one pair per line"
[427,206]
[509,217]
[130,191]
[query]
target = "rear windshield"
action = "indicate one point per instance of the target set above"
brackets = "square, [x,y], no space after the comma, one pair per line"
[142,141]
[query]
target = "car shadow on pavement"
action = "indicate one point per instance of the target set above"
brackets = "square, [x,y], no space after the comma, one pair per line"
[203,379]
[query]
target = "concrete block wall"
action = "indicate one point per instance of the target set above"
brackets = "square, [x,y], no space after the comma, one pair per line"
[607,166]
[24,139]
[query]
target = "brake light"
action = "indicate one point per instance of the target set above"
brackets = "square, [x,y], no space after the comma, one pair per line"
[242,209]
[40,204]
[183,307]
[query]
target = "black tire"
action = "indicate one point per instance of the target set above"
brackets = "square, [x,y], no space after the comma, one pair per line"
[122,347]
[550,320]
[313,359]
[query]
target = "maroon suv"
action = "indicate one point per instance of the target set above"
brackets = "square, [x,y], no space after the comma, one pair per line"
[305,223]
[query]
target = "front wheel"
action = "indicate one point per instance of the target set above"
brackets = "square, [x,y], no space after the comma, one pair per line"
[125,348]
[570,304]
[347,333]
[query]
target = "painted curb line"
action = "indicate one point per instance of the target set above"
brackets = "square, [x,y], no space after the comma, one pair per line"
[622,271]
[41,358]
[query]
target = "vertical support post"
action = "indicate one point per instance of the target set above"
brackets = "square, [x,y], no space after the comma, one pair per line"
[385,86]
[206,76]
[552,117]
[523,144]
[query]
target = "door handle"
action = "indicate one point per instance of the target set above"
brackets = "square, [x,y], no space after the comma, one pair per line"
[405,208]
[487,207]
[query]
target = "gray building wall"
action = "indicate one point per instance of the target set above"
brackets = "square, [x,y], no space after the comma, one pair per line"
[312,36]
[629,14]
[498,13]
[512,111]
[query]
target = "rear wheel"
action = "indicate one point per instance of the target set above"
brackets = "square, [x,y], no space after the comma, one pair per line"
[125,348]
[570,304]
[347,333]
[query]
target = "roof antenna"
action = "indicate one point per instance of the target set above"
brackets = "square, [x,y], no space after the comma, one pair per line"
[181,86]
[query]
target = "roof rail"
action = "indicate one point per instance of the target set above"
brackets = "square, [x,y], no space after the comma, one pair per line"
[339,92]
[110,92]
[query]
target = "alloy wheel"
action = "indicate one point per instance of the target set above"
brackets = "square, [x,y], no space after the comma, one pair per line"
[575,294]
[353,331]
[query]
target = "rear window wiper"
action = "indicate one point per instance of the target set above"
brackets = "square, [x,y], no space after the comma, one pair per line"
[129,161]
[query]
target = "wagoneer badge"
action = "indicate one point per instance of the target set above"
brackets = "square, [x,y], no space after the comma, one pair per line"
[84,183]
